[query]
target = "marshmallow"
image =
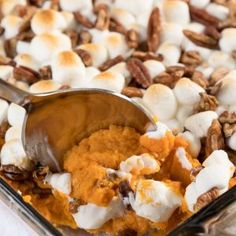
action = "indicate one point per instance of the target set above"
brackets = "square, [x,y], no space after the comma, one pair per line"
[172,33]
[12,153]
[155,200]
[12,133]
[187,92]
[122,69]
[16,115]
[68,69]
[232,141]
[44,86]
[91,72]
[22,47]
[5,72]
[143,164]
[97,51]
[232,108]
[194,143]
[3,110]
[182,158]
[159,133]
[219,59]
[47,21]
[174,125]
[12,25]
[199,3]
[195,27]
[199,123]
[76,5]
[183,112]
[69,19]
[7,6]
[171,53]
[60,182]
[228,40]
[154,67]
[22,85]
[161,101]
[27,61]
[206,70]
[91,216]
[218,11]
[174,9]
[108,80]
[45,46]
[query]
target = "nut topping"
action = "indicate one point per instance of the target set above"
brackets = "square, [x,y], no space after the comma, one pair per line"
[191,58]
[83,20]
[132,92]
[144,56]
[207,103]
[228,120]
[111,62]
[45,72]
[14,173]
[85,56]
[103,17]
[132,38]
[26,74]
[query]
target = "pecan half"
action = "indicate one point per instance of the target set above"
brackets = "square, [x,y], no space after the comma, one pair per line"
[37,3]
[132,38]
[215,138]
[192,58]
[45,72]
[153,30]
[212,32]
[144,56]
[10,47]
[228,120]
[103,16]
[139,72]
[199,78]
[25,36]
[1,30]
[85,56]
[26,74]
[132,92]
[117,26]
[166,79]
[218,74]
[74,204]
[74,37]
[111,62]
[14,173]
[207,103]
[213,90]
[176,71]
[83,20]
[84,37]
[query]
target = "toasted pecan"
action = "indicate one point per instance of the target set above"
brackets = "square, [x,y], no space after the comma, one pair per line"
[111,62]
[132,92]
[26,74]
[144,56]
[85,56]
[103,16]
[83,20]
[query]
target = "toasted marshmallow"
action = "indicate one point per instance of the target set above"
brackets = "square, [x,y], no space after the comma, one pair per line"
[45,46]
[97,51]
[92,216]
[27,61]
[187,92]
[7,6]
[195,27]
[194,143]
[3,110]
[199,3]
[108,80]
[12,25]
[199,123]
[228,40]
[232,141]
[182,158]
[218,11]
[219,59]
[91,72]
[155,200]
[143,164]
[60,182]
[12,133]
[69,19]
[122,69]
[22,47]
[174,125]
[183,112]
[5,72]
[174,9]
[115,44]
[16,115]
[68,69]
[13,153]
[22,85]
[159,133]
[171,53]
[154,67]
[44,86]
[76,5]
[47,21]
[161,101]
[172,33]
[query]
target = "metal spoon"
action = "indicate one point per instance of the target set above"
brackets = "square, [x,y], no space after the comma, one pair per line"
[56,121]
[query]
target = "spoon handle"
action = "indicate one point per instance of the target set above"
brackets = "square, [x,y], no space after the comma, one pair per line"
[11,93]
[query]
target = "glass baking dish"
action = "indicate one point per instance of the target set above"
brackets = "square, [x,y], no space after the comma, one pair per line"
[217,218]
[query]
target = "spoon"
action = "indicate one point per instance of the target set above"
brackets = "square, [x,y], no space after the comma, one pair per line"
[56,121]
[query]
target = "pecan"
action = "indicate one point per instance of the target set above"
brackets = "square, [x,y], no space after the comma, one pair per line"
[191,58]
[25,36]
[85,56]
[207,103]
[166,79]
[228,120]
[20,10]
[153,30]
[37,3]
[26,74]
[234,54]
[65,87]
[218,74]
[206,198]
[103,16]
[124,191]
[117,26]
[132,92]
[201,39]
[213,90]
[10,47]
[202,16]
[84,37]
[83,20]
[194,172]
[139,72]
[189,71]
[128,232]
[45,72]
[199,79]
[132,38]
[176,71]
[39,176]
[215,138]
[228,23]
[73,35]
[1,30]
[74,204]
[6,61]
[111,62]
[3,128]
[144,56]
[41,191]
[14,173]
[212,32]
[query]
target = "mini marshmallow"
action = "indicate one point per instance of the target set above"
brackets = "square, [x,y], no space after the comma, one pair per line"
[183,112]
[161,101]
[12,25]
[172,33]
[91,72]
[44,86]
[27,61]
[121,68]
[5,72]
[219,59]
[92,216]
[97,51]
[76,5]
[219,11]
[154,67]
[182,158]
[47,21]
[45,46]
[12,133]
[69,19]
[199,3]
[68,69]
[228,40]
[199,123]
[154,200]
[194,143]
[232,141]
[16,115]
[3,110]
[170,52]
[187,92]
[174,125]
[160,131]
[60,182]
[22,47]
[143,164]
[108,80]
[174,9]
